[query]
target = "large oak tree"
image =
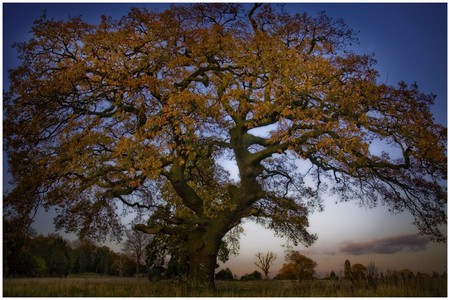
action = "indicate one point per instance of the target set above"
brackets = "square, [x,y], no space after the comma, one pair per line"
[139,113]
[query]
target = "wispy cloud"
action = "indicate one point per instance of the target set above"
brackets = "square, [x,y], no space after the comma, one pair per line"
[388,245]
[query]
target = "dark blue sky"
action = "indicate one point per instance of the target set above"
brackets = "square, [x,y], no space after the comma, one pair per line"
[409,40]
[410,43]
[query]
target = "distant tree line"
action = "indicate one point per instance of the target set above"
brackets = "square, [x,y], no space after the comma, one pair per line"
[300,267]
[370,276]
[26,254]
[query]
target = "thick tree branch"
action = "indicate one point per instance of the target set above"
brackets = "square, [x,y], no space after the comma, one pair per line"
[135,204]
[251,19]
[189,197]
[156,229]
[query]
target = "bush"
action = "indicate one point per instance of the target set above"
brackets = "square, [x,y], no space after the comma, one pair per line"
[224,274]
[37,265]
[253,276]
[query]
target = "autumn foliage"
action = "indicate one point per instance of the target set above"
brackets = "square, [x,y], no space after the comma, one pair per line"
[138,114]
[298,267]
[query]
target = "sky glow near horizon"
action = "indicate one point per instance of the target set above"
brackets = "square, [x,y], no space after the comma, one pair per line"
[409,42]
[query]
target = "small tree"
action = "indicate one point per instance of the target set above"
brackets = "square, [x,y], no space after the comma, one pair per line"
[372,274]
[359,271]
[347,270]
[55,252]
[136,243]
[37,265]
[122,265]
[252,276]
[298,267]
[333,275]
[265,261]
[224,274]
[135,246]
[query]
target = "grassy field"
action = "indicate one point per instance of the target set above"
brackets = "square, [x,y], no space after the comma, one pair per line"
[141,287]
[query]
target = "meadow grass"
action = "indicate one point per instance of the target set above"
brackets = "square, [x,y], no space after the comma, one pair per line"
[141,287]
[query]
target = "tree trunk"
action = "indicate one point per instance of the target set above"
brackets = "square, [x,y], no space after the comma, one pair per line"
[201,271]
[202,250]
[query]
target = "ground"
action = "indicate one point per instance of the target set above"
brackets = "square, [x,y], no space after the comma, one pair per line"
[140,287]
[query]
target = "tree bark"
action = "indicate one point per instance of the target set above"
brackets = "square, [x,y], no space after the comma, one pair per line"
[202,247]
[201,271]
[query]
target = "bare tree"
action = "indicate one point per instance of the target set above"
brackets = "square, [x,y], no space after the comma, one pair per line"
[135,245]
[119,265]
[372,274]
[265,261]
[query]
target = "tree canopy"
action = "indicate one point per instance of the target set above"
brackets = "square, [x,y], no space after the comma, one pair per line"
[138,113]
[298,267]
